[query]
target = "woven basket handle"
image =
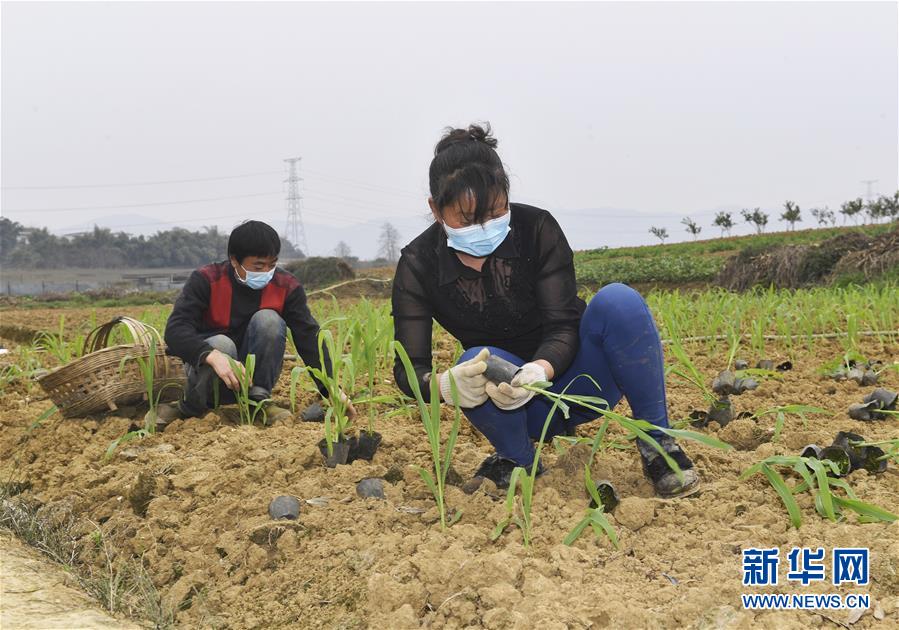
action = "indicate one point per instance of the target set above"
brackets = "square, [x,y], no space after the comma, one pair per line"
[141,334]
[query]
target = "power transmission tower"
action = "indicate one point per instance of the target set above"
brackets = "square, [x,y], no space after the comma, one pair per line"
[869,183]
[295,232]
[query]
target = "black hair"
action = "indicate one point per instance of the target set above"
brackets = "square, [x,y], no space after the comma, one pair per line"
[466,160]
[253,238]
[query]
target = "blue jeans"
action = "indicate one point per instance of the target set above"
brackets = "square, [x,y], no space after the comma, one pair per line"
[266,338]
[619,347]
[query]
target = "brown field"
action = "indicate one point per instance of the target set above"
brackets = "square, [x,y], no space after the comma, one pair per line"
[215,556]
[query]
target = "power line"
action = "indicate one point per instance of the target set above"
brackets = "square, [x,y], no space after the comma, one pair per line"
[175,223]
[357,184]
[142,205]
[165,181]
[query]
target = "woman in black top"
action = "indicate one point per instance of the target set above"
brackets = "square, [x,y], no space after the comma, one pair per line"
[499,277]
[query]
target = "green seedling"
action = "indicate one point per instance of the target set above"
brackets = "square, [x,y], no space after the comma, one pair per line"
[781,413]
[816,479]
[371,337]
[520,477]
[147,367]
[38,422]
[343,369]
[247,408]
[637,427]
[687,370]
[563,402]
[430,417]
[595,518]
[56,345]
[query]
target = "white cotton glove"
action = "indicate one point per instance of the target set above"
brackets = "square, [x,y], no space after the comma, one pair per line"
[470,381]
[508,397]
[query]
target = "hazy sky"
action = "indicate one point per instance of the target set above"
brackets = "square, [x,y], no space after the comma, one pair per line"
[615,116]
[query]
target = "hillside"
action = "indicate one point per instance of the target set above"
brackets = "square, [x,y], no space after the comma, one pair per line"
[695,263]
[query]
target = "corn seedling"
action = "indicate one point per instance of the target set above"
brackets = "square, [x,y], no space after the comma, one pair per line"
[595,518]
[342,368]
[371,338]
[638,427]
[147,368]
[563,402]
[687,370]
[247,408]
[55,344]
[520,477]
[816,479]
[38,422]
[781,413]
[430,416]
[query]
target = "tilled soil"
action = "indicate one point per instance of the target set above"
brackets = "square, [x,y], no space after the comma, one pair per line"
[192,503]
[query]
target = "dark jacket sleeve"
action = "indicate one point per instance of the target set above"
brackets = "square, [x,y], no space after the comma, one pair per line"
[557,297]
[182,336]
[412,327]
[304,330]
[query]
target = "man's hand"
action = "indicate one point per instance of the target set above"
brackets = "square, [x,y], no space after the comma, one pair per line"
[470,381]
[221,365]
[512,396]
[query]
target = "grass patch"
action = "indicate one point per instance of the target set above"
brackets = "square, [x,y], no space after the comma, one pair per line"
[121,585]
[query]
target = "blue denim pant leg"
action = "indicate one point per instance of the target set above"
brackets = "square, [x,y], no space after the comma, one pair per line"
[198,394]
[266,339]
[619,349]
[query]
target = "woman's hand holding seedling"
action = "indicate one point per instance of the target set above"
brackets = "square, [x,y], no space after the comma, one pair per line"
[512,396]
[470,381]
[221,365]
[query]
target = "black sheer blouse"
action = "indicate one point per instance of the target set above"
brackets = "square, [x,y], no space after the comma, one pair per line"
[524,299]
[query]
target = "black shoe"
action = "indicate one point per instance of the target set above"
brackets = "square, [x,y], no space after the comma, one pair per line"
[663,478]
[499,470]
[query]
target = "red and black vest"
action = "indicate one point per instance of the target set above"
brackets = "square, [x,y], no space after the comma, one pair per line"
[217,316]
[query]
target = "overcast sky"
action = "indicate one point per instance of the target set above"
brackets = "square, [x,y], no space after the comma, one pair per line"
[614,116]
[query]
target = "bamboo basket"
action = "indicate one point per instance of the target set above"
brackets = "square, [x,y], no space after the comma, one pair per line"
[105,377]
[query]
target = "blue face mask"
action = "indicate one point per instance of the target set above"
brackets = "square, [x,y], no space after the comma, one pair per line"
[479,240]
[256,279]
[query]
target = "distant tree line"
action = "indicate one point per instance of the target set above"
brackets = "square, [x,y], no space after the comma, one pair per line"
[22,246]
[875,210]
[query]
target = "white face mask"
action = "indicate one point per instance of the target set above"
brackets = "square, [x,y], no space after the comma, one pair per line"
[256,279]
[479,240]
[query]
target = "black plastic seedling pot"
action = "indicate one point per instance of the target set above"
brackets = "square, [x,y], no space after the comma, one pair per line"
[364,446]
[340,452]
[856,454]
[313,413]
[499,370]
[284,506]
[812,450]
[370,488]
[607,494]
[884,398]
[699,418]
[839,456]
[721,412]
[875,462]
